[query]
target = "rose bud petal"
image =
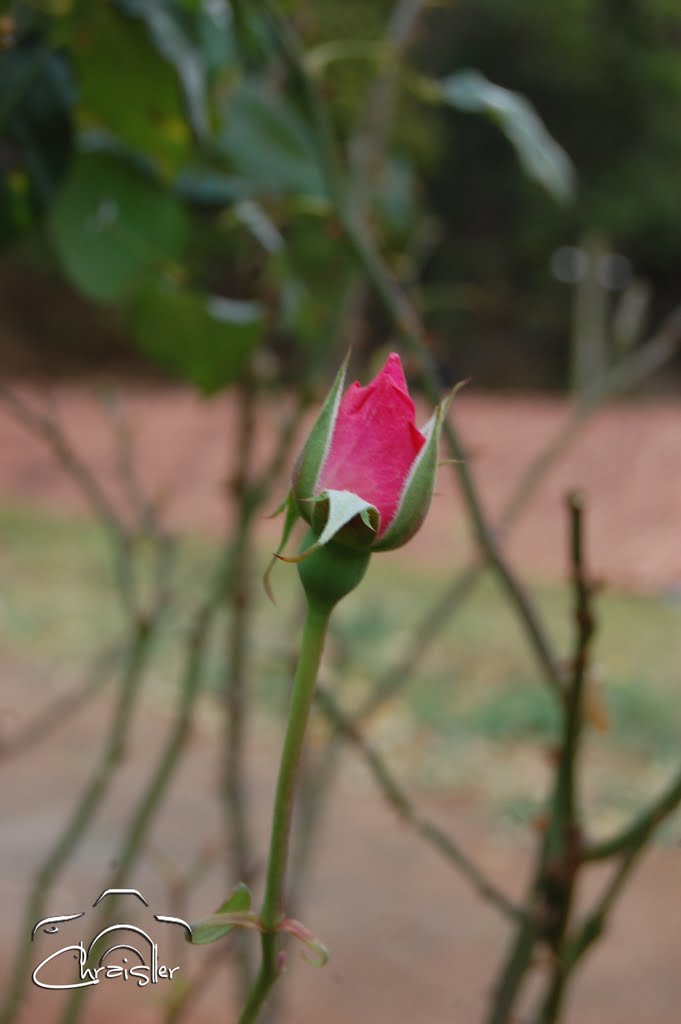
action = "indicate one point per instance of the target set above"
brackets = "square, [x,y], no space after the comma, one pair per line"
[366,475]
[374,442]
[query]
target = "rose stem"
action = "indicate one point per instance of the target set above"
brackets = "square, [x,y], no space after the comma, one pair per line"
[314,633]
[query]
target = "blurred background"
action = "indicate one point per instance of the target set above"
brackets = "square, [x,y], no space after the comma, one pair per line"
[184,130]
[203,205]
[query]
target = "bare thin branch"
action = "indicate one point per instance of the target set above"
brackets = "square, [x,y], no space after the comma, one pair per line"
[48,429]
[56,713]
[398,799]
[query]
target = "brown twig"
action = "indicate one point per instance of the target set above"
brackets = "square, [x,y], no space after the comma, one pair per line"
[48,429]
[82,815]
[625,850]
[407,321]
[143,624]
[151,798]
[145,512]
[213,959]
[399,801]
[559,856]
[54,715]
[629,372]
[369,139]
[564,842]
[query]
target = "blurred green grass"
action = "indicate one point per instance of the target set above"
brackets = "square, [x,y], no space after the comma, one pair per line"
[474,716]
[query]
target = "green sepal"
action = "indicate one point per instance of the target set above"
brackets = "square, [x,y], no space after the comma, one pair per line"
[313,455]
[288,505]
[341,516]
[333,517]
[329,572]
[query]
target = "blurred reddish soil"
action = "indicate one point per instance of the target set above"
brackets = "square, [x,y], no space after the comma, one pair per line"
[625,460]
[411,942]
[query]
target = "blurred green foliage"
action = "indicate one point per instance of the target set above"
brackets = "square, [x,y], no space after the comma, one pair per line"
[605,76]
[162,153]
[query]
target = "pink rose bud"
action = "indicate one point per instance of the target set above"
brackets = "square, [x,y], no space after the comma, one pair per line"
[366,475]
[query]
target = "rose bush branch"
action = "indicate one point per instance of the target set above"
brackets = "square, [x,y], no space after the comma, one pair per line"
[143,623]
[146,512]
[633,369]
[48,430]
[399,801]
[369,141]
[408,323]
[246,495]
[51,717]
[617,380]
[82,816]
[566,834]
[151,797]
[248,492]
[569,944]
[636,834]
[593,925]
[624,850]
[407,320]
[272,913]
[124,531]
[219,589]
[388,685]
[560,849]
[363,483]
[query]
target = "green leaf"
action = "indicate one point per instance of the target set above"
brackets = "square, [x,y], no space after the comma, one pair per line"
[230,914]
[312,274]
[538,152]
[168,34]
[288,506]
[216,35]
[127,87]
[267,140]
[207,187]
[112,226]
[395,195]
[204,339]
[36,134]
